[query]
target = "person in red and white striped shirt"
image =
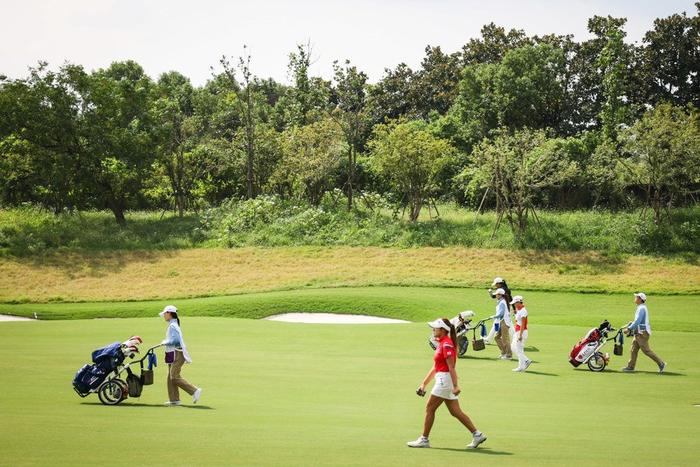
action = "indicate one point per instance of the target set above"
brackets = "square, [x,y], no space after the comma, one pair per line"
[520,336]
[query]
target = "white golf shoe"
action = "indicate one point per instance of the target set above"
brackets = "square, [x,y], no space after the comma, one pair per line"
[197,394]
[421,442]
[476,441]
[527,364]
[173,403]
[662,367]
[519,369]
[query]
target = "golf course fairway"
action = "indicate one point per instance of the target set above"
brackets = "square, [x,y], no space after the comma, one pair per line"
[299,394]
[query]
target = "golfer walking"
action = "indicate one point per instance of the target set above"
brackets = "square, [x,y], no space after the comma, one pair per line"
[641,328]
[446,388]
[503,324]
[520,336]
[175,356]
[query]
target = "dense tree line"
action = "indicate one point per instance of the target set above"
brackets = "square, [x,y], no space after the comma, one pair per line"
[510,121]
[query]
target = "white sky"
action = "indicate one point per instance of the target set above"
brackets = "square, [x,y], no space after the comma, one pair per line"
[191,36]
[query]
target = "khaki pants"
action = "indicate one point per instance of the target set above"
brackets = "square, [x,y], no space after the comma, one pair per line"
[175,381]
[641,341]
[503,340]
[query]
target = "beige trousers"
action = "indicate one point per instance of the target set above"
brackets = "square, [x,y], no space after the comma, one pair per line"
[641,341]
[503,340]
[175,381]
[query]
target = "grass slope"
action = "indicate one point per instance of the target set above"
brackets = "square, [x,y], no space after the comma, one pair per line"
[286,394]
[672,313]
[140,275]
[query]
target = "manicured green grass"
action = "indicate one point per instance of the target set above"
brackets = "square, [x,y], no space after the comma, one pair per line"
[291,394]
[670,313]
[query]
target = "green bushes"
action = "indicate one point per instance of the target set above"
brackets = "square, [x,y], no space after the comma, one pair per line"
[268,221]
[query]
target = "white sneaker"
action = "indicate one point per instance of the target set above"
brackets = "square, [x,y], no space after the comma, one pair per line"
[197,394]
[173,403]
[476,441]
[527,364]
[518,369]
[421,442]
[662,367]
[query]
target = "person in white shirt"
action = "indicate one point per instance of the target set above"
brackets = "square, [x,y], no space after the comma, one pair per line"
[503,324]
[520,336]
[641,328]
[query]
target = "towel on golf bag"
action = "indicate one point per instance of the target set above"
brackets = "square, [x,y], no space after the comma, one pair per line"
[152,360]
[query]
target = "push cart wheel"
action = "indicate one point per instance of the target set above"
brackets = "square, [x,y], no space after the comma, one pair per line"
[112,392]
[462,345]
[597,362]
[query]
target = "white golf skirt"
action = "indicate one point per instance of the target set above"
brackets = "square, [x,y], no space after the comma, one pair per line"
[443,386]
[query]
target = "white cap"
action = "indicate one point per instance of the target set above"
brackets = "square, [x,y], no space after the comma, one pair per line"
[497,280]
[439,323]
[500,292]
[466,314]
[641,295]
[517,299]
[168,309]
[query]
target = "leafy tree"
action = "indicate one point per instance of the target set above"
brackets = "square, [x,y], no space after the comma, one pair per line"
[410,158]
[665,154]
[119,135]
[351,115]
[493,45]
[516,167]
[246,101]
[40,144]
[525,90]
[311,155]
[672,56]
[308,99]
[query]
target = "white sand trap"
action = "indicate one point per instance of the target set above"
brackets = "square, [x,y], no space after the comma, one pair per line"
[332,318]
[14,318]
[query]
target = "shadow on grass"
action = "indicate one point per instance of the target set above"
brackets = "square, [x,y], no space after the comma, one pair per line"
[541,373]
[620,372]
[162,406]
[486,451]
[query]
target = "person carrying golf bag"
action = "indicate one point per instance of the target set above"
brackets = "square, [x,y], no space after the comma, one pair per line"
[520,335]
[641,328]
[446,388]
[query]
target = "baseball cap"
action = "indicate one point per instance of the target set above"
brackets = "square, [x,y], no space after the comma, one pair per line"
[439,323]
[641,295]
[500,292]
[497,280]
[168,309]
[517,299]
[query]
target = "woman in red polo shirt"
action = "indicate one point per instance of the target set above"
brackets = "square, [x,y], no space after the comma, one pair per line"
[446,388]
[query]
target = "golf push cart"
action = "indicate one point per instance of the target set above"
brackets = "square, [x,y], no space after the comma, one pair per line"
[463,324]
[588,349]
[104,376]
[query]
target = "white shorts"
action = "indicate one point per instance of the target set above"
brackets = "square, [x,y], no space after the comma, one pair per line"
[443,386]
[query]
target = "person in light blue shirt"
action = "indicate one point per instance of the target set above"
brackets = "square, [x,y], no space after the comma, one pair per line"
[176,355]
[503,324]
[641,329]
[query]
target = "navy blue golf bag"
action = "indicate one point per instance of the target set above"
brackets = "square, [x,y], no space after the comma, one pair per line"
[105,360]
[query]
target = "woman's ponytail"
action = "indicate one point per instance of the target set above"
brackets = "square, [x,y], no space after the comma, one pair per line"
[453,334]
[173,314]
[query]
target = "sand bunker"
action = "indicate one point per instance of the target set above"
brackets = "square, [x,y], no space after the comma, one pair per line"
[14,318]
[332,318]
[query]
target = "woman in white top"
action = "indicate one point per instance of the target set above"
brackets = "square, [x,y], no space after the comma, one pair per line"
[520,335]
[176,356]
